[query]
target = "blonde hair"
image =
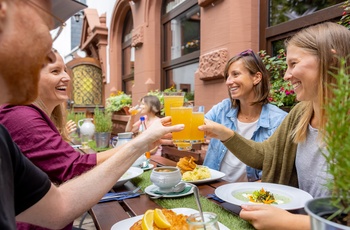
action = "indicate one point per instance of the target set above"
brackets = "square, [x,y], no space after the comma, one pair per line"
[327,42]
[58,117]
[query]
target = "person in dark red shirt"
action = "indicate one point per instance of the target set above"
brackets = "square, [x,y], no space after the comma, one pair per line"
[26,193]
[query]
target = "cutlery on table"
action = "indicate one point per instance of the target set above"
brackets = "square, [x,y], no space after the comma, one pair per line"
[196,195]
[121,194]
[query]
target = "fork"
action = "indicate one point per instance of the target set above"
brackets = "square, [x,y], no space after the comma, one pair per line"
[121,194]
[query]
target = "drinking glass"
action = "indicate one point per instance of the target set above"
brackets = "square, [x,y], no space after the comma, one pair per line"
[197,136]
[175,99]
[182,115]
[135,110]
[210,222]
[84,138]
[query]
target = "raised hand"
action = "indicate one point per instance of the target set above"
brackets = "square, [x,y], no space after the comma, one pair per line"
[71,126]
[216,130]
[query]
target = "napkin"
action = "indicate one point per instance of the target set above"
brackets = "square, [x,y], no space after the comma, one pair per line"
[234,209]
[214,197]
[186,190]
[118,196]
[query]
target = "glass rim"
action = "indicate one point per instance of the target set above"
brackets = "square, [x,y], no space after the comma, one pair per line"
[197,215]
[174,93]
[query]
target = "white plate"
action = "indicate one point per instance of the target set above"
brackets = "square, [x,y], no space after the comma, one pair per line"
[153,187]
[214,175]
[127,223]
[150,166]
[295,198]
[128,175]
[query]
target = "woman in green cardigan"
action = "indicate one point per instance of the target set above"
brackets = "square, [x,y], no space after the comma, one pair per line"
[293,154]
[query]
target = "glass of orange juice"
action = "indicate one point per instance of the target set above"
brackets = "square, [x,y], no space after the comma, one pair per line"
[135,110]
[197,136]
[182,115]
[175,99]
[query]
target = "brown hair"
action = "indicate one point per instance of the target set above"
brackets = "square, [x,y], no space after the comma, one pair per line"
[327,42]
[253,64]
[153,103]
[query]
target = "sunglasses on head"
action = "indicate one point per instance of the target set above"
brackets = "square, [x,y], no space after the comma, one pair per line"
[249,52]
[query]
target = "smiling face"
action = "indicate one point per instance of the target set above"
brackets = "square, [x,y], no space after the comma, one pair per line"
[19,70]
[303,73]
[53,83]
[240,82]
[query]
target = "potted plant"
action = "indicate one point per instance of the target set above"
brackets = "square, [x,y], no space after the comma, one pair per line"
[120,102]
[103,128]
[281,91]
[345,19]
[334,212]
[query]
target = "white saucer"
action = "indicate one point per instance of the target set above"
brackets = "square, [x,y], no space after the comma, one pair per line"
[153,187]
[150,166]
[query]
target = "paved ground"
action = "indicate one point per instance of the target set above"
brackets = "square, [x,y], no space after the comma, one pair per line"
[88,224]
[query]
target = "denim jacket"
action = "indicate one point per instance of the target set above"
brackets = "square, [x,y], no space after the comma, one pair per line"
[270,118]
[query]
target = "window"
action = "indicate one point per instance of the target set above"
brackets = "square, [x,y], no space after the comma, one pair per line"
[181,43]
[280,19]
[169,5]
[283,11]
[127,54]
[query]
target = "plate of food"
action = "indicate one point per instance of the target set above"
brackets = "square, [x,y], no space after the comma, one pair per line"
[128,175]
[282,196]
[196,174]
[177,219]
[202,174]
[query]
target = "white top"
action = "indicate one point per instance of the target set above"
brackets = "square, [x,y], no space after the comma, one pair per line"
[311,165]
[234,169]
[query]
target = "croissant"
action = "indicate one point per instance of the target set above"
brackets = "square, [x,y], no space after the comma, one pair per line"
[186,164]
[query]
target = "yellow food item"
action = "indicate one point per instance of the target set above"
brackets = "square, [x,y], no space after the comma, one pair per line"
[160,220]
[186,164]
[199,173]
[147,220]
[177,221]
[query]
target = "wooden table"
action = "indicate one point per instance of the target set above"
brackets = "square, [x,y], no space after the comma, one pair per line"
[120,210]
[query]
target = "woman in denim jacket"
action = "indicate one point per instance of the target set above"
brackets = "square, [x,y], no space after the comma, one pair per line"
[247,112]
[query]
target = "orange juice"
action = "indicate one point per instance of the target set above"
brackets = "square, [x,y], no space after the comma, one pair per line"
[134,112]
[181,115]
[175,100]
[197,136]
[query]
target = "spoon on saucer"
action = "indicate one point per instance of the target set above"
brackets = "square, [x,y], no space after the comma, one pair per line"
[178,188]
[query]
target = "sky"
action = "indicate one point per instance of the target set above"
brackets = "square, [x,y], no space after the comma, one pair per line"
[63,42]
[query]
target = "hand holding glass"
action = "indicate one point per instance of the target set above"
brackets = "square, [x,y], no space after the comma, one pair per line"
[191,117]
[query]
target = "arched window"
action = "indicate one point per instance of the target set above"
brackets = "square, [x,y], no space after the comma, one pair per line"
[128,56]
[181,43]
